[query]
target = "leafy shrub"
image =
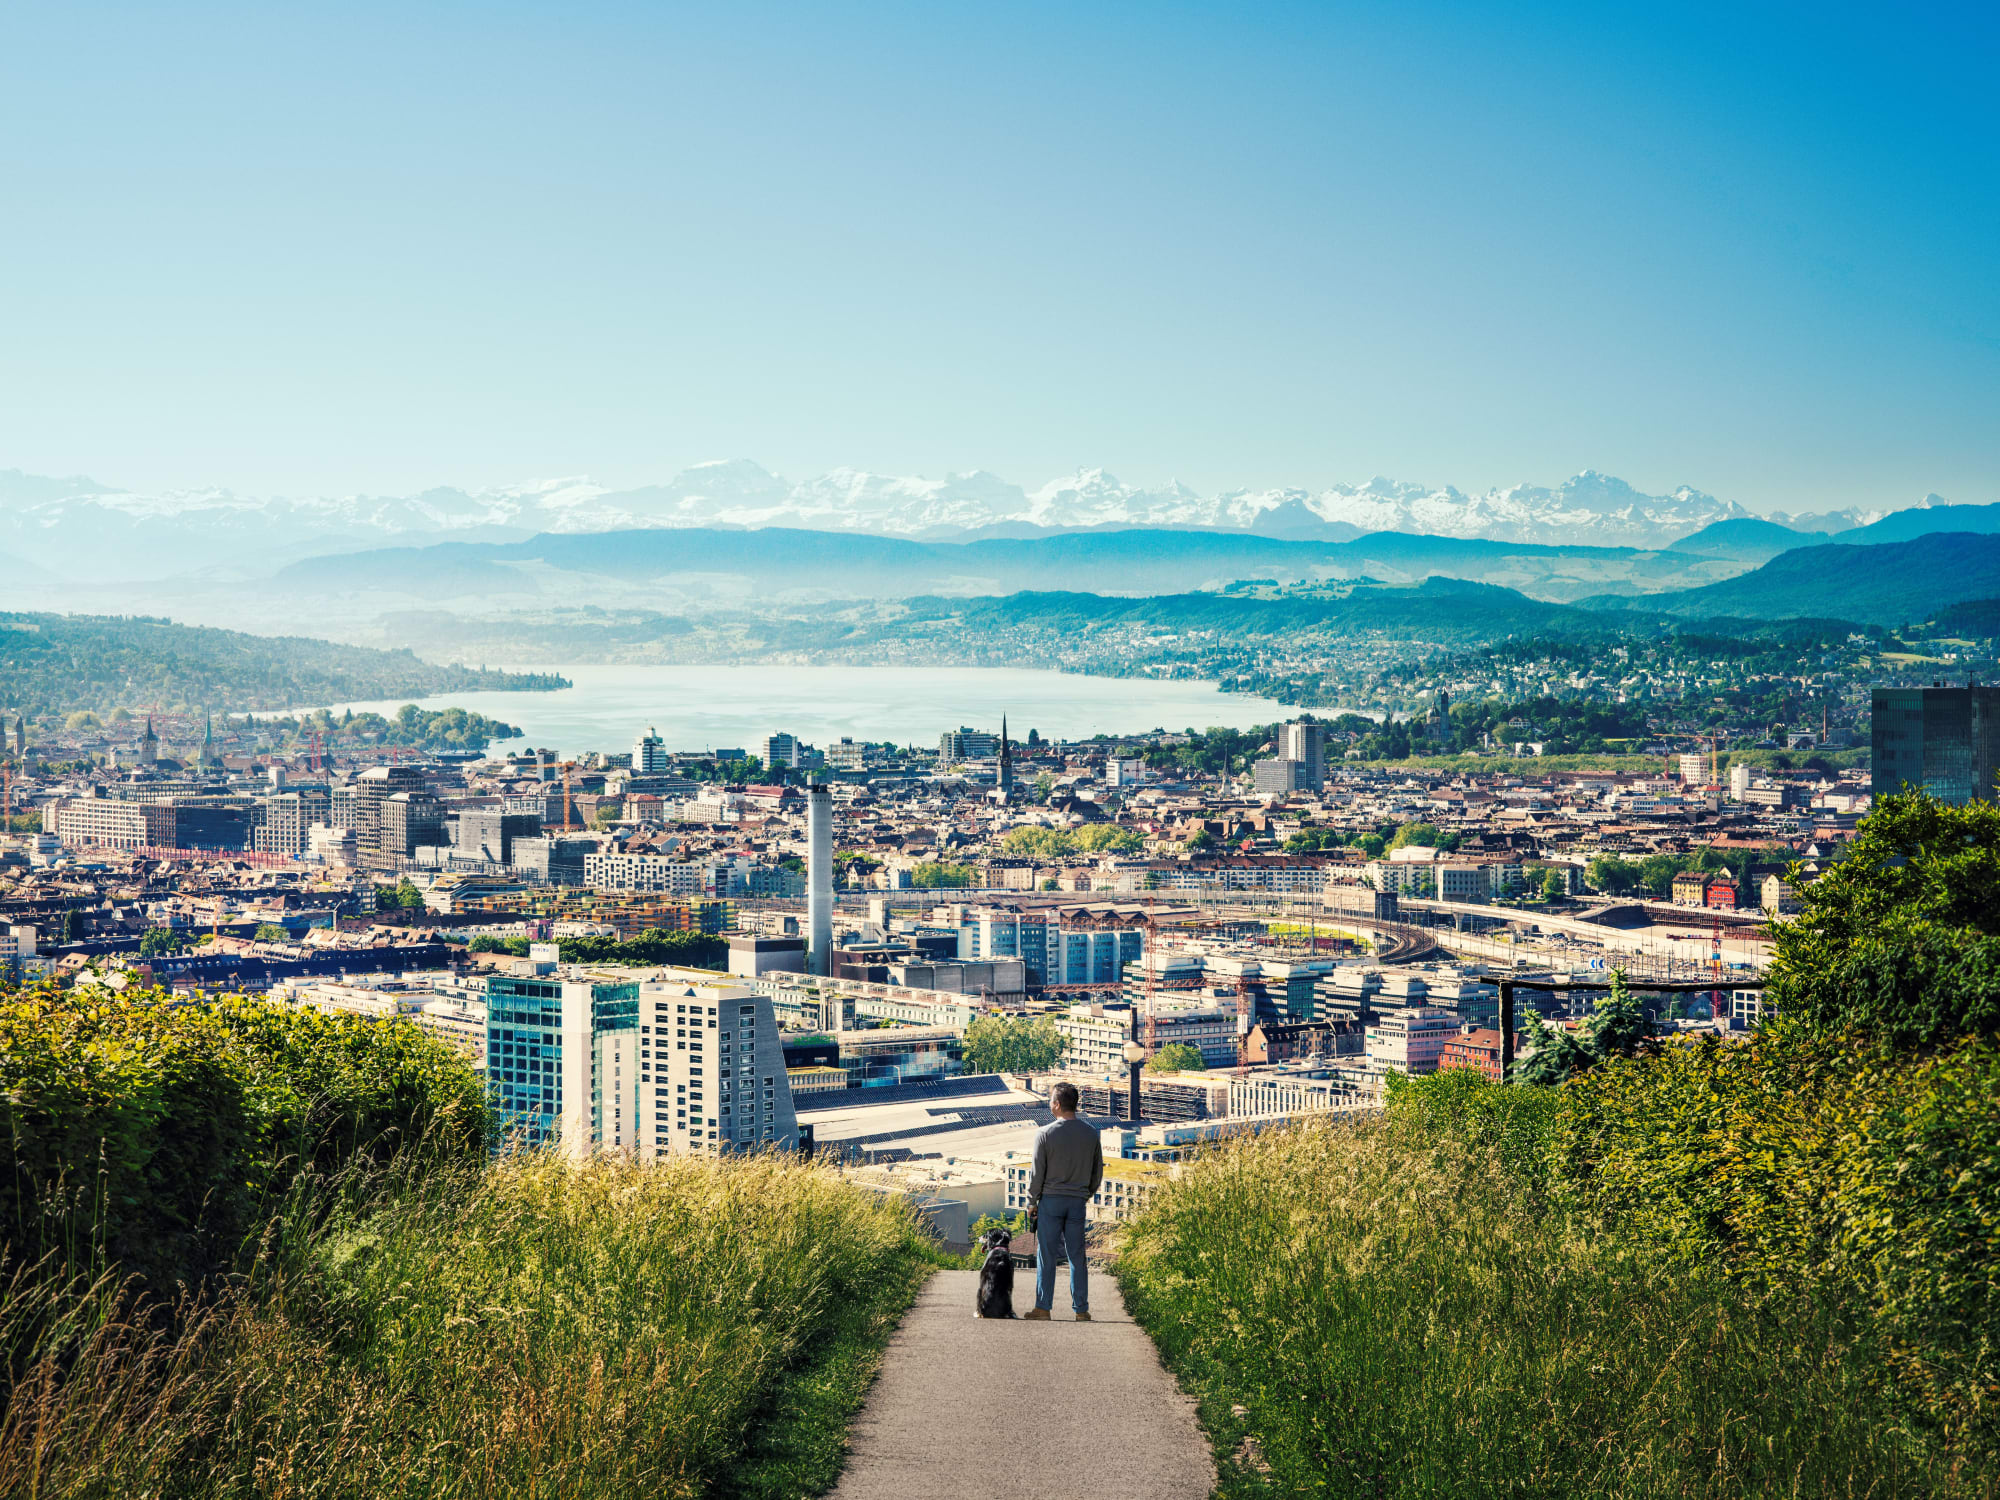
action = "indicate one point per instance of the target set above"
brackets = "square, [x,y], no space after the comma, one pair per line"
[1901,938]
[1798,1162]
[159,1135]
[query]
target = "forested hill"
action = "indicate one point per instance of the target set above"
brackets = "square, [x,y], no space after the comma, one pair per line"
[1885,584]
[56,663]
[1438,609]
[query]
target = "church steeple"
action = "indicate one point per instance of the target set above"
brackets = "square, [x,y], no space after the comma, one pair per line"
[1006,778]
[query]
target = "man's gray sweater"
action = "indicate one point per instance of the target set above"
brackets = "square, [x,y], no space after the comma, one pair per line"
[1069,1161]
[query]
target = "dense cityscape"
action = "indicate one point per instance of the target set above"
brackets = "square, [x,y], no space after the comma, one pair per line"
[866,753]
[1273,921]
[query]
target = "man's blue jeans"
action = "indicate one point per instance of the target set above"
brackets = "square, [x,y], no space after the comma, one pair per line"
[1059,1226]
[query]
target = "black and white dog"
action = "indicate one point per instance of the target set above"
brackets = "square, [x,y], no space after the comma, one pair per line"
[996,1276]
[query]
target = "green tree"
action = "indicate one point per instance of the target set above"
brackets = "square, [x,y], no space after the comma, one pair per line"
[1201,839]
[1107,838]
[1618,1027]
[1372,844]
[1031,842]
[1044,785]
[1051,884]
[1176,1057]
[1611,874]
[1901,938]
[271,932]
[1554,886]
[935,873]
[157,940]
[1013,1044]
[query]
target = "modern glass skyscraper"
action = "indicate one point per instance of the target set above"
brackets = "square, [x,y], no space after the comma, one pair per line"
[1940,740]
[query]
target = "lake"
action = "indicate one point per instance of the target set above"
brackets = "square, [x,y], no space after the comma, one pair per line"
[700,708]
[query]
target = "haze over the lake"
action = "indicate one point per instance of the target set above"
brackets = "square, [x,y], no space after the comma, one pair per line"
[701,708]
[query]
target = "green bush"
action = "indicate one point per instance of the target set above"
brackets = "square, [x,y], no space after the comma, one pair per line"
[1901,938]
[1803,1163]
[159,1135]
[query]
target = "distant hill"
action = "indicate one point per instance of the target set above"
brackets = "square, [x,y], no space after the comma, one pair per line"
[1977,619]
[1440,609]
[1750,537]
[713,565]
[54,663]
[1885,584]
[1927,520]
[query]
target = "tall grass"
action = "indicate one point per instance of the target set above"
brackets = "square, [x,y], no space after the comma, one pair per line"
[520,1330]
[1389,1308]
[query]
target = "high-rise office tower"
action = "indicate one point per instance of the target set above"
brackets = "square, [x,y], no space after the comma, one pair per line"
[1940,740]
[1305,742]
[649,754]
[781,752]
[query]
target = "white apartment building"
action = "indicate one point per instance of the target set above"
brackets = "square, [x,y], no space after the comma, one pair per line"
[1096,1037]
[1408,1042]
[781,752]
[1121,772]
[845,755]
[1127,1186]
[643,872]
[709,1072]
[1285,1093]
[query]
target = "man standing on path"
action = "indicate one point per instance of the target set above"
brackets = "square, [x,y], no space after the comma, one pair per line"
[1069,1169]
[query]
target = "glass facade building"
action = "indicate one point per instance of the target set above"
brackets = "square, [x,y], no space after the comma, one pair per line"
[1944,741]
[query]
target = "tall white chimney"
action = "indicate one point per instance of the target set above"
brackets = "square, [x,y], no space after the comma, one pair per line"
[819,880]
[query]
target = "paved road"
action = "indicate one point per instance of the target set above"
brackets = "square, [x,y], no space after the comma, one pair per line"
[968,1405]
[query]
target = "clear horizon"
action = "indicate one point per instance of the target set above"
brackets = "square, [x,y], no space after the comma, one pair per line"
[1742,249]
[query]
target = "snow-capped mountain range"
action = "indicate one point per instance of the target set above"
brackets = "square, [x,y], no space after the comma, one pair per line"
[73,524]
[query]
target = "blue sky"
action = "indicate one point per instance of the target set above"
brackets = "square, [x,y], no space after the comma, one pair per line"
[370,247]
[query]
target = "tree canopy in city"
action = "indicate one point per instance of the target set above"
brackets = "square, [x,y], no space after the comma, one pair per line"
[1013,1044]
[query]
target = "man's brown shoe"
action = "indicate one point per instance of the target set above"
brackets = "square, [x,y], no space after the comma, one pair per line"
[1083,1317]
[1035,1315]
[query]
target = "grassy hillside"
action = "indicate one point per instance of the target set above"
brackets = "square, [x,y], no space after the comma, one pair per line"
[1411,1307]
[414,1322]
[57,663]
